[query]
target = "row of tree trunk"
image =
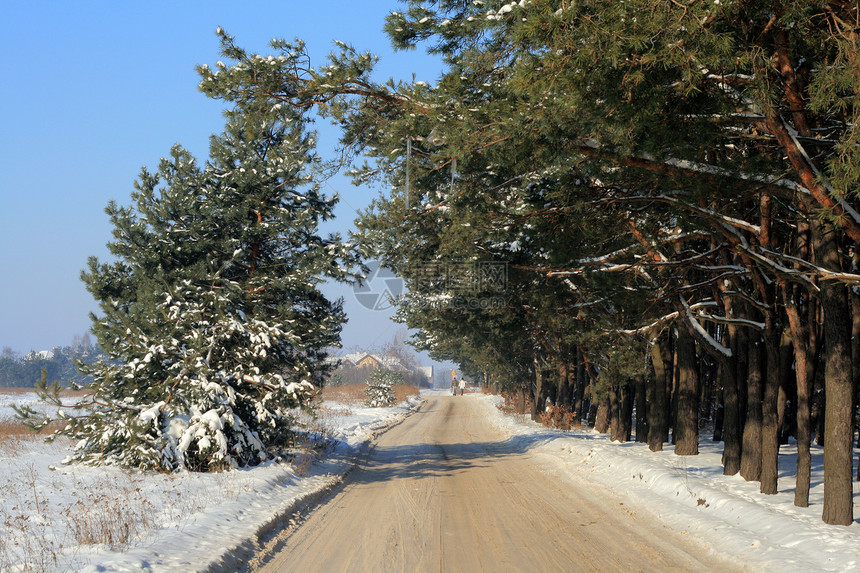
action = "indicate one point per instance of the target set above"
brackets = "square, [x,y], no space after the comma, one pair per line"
[796,379]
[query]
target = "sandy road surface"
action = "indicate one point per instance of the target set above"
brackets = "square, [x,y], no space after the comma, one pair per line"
[443,491]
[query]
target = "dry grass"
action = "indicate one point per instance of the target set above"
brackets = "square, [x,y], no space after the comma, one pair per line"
[14,429]
[351,394]
[43,523]
[354,393]
[38,527]
[319,425]
[402,392]
[513,406]
[63,393]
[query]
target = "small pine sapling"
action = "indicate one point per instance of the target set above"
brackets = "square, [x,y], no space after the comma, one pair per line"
[380,387]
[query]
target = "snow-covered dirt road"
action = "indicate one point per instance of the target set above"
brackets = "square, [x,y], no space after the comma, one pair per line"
[446,491]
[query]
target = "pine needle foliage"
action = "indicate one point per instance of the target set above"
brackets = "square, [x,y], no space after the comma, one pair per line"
[636,167]
[211,314]
[380,387]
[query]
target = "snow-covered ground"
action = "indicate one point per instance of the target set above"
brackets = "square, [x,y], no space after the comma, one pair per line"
[72,518]
[76,518]
[689,494]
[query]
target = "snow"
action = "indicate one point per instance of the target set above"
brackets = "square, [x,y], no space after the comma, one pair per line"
[726,515]
[191,522]
[80,518]
[28,399]
[700,330]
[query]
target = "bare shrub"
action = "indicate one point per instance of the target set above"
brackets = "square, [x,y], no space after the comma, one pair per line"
[326,417]
[102,518]
[560,418]
[513,406]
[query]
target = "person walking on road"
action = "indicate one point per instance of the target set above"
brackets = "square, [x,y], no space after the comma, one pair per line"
[462,385]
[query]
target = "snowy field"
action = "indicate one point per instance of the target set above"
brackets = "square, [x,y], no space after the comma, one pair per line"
[76,518]
[72,518]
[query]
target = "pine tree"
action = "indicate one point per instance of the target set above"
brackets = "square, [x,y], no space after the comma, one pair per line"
[379,390]
[660,159]
[211,316]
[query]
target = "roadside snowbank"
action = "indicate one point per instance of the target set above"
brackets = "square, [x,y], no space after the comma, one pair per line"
[200,522]
[689,494]
[76,518]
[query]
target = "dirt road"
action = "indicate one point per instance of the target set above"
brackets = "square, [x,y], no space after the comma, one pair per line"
[444,491]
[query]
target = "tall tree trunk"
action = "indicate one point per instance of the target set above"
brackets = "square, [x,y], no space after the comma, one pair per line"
[839,405]
[601,421]
[770,399]
[731,419]
[563,384]
[522,399]
[550,388]
[686,430]
[803,374]
[718,409]
[593,411]
[621,412]
[658,418]
[580,382]
[816,381]
[819,401]
[786,386]
[751,452]
[855,352]
[641,410]
[673,388]
[615,414]
[741,346]
[537,402]
[707,384]
[727,375]
[593,402]
[770,413]
[625,408]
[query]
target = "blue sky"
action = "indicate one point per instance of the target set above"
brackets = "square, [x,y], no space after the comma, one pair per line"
[93,91]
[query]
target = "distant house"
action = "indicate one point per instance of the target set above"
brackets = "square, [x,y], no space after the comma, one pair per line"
[367,360]
[370,361]
[352,358]
[356,366]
